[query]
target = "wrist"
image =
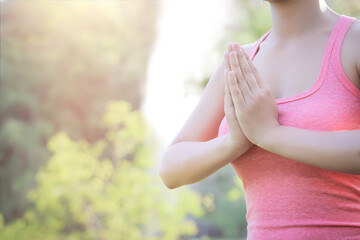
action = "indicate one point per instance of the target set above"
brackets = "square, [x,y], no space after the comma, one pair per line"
[236,149]
[268,140]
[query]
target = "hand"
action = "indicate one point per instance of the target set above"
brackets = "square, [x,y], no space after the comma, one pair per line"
[255,106]
[236,135]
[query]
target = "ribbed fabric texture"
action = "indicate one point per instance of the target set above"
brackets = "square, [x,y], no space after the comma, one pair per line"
[290,200]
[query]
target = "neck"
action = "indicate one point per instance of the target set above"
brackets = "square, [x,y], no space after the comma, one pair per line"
[293,18]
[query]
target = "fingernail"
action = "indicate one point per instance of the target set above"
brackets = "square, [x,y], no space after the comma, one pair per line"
[229,46]
[236,46]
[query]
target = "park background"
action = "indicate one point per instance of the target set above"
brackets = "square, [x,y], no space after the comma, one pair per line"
[91,93]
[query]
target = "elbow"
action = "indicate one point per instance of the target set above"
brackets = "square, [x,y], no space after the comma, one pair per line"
[168,172]
[164,175]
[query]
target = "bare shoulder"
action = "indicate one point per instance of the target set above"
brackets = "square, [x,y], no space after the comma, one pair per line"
[353,37]
[355,43]
[350,53]
[248,47]
[354,30]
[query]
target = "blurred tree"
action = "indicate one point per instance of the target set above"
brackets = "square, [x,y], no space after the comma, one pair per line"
[83,194]
[60,62]
[349,7]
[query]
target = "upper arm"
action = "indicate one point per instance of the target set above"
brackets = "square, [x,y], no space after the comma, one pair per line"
[203,122]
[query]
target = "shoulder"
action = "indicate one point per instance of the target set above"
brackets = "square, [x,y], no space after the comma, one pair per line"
[353,40]
[350,47]
[248,47]
[353,36]
[354,30]
[356,41]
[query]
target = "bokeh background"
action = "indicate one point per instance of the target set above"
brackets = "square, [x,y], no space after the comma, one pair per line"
[91,93]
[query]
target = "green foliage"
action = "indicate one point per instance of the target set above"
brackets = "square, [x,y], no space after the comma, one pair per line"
[250,22]
[349,7]
[237,192]
[83,195]
[61,61]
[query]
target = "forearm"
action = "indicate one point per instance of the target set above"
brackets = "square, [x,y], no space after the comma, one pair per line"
[337,150]
[189,162]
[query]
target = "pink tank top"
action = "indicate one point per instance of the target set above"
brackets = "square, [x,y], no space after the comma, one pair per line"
[286,199]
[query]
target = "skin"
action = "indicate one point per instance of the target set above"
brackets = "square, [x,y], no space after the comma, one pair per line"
[254,106]
[299,28]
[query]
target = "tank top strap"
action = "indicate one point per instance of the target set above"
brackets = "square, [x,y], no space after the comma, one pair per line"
[347,21]
[257,44]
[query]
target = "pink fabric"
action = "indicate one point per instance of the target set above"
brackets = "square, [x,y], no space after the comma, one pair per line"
[295,201]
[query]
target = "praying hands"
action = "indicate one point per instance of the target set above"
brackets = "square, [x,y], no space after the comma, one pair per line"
[248,99]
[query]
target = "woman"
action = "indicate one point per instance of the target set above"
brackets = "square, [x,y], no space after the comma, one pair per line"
[291,128]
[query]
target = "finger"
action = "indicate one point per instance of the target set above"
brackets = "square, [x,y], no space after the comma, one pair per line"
[228,101]
[242,83]
[226,61]
[227,90]
[226,56]
[229,107]
[246,70]
[254,70]
[235,66]
[236,93]
[229,47]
